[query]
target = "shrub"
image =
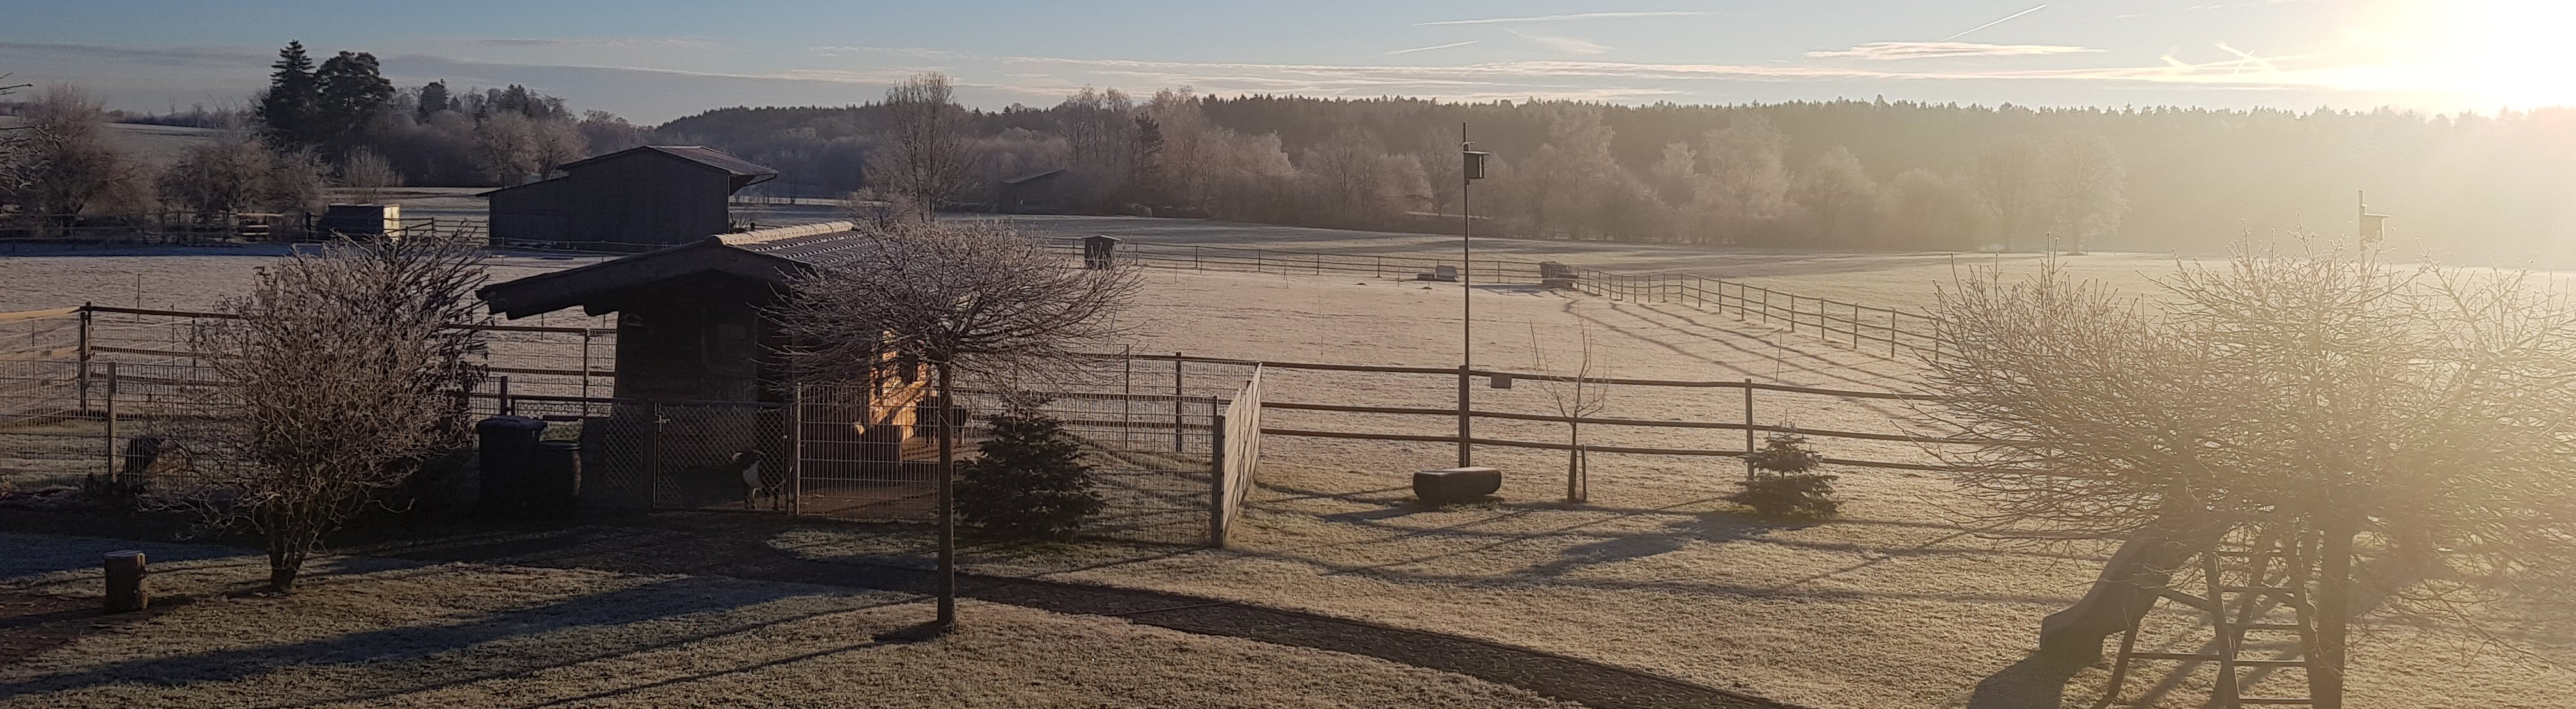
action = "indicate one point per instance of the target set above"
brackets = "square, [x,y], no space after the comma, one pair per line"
[1783,481]
[1031,483]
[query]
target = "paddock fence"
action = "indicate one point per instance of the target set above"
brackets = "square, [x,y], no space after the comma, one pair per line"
[1855,326]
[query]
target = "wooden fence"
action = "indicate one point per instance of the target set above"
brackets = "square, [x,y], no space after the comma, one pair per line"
[1861,327]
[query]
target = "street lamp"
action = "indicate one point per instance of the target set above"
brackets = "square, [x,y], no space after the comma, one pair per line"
[1471,168]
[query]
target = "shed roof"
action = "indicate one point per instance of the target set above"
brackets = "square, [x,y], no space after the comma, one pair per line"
[767,255]
[744,172]
[1033,177]
[699,154]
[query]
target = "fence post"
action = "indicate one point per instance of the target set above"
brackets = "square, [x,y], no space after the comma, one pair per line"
[1381,267]
[1176,402]
[652,453]
[83,375]
[1217,485]
[505,395]
[1748,428]
[796,449]
[585,366]
[1198,258]
[1766,306]
[111,421]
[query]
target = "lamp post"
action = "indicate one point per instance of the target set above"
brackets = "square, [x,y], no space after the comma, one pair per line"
[1471,168]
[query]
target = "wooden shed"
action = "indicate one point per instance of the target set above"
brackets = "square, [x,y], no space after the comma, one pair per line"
[630,200]
[1034,193]
[697,362]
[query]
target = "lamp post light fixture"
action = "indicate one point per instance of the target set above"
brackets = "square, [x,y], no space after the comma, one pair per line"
[1471,168]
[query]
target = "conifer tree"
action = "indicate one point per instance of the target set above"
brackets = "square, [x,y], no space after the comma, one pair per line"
[286,111]
[1031,482]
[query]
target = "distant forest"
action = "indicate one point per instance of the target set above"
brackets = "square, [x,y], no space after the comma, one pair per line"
[1841,174]
[1875,175]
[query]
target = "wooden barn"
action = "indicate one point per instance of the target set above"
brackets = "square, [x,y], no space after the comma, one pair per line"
[630,200]
[1039,192]
[698,374]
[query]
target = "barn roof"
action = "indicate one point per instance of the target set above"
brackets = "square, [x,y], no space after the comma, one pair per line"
[1033,177]
[745,173]
[767,255]
[699,154]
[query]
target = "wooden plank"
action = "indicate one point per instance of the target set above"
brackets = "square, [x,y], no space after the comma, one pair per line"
[38,314]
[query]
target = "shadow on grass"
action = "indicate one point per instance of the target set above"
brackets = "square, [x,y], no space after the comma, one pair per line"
[2038,680]
[536,635]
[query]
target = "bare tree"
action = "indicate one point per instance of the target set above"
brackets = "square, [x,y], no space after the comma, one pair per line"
[341,370]
[1575,396]
[2087,182]
[922,163]
[2009,174]
[973,299]
[367,174]
[59,161]
[2408,428]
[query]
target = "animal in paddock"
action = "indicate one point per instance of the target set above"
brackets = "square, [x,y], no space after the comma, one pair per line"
[755,483]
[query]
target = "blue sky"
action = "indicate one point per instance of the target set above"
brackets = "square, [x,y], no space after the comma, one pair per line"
[652,60]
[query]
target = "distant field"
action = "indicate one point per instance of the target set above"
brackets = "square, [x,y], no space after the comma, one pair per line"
[156,145]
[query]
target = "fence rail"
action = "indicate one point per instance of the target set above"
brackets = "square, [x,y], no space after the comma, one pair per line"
[1860,327]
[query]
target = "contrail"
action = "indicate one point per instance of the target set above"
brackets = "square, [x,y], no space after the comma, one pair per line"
[1991,24]
[1429,48]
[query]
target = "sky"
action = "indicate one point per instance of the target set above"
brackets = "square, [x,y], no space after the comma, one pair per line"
[653,60]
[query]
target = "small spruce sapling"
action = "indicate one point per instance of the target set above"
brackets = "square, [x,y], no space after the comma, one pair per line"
[1031,482]
[1783,481]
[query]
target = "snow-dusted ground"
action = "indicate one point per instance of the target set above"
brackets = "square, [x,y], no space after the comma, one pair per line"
[382,633]
[1894,604]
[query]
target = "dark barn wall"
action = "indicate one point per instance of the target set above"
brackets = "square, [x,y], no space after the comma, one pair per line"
[531,212]
[648,197]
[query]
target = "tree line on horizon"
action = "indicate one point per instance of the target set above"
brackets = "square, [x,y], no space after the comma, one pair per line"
[1848,174]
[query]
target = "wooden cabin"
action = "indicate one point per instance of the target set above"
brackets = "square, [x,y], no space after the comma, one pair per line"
[630,200]
[697,356]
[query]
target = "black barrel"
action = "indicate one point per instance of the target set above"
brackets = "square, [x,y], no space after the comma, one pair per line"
[506,444]
[554,479]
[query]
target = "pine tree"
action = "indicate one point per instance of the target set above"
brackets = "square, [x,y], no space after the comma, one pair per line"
[351,99]
[1031,482]
[286,111]
[433,98]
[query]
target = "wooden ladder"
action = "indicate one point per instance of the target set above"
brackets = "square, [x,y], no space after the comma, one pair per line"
[2236,604]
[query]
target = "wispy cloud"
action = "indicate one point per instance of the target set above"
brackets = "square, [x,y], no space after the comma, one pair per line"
[1429,48]
[1563,45]
[1883,51]
[665,42]
[1575,16]
[2007,18]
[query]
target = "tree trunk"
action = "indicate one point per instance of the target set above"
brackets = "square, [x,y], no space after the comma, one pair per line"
[2334,613]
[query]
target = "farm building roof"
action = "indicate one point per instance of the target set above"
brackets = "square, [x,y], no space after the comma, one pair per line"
[1033,177]
[766,255]
[744,172]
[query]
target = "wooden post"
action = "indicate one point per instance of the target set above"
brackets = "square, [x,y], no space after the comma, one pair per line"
[796,448]
[1766,306]
[505,395]
[1748,428]
[111,421]
[652,452]
[1198,258]
[83,374]
[1176,402]
[1217,484]
[125,591]
[585,368]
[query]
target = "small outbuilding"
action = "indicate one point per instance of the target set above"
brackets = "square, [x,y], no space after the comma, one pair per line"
[698,371]
[1038,192]
[631,200]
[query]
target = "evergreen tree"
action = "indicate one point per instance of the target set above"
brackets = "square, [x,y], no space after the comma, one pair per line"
[1031,482]
[433,98]
[286,111]
[351,100]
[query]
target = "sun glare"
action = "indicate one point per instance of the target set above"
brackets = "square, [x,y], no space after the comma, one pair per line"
[2491,53]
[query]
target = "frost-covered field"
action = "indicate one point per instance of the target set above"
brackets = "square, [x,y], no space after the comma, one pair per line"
[1892,605]
[381,633]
